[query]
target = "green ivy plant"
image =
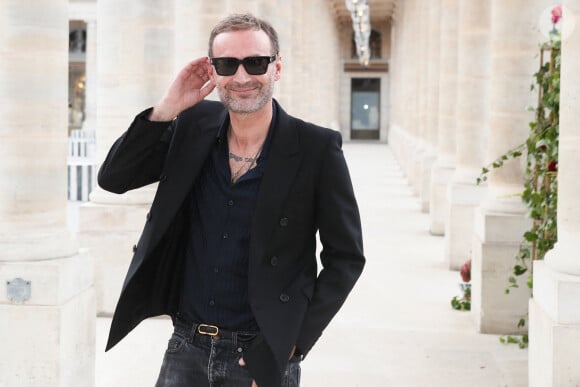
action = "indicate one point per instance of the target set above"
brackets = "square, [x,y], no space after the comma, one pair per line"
[463,303]
[540,150]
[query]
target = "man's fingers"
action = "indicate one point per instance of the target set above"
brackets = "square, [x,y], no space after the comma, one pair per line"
[205,90]
[196,68]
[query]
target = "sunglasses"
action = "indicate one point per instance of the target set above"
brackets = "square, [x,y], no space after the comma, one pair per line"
[254,65]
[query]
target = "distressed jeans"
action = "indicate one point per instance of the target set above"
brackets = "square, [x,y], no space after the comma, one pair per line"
[197,360]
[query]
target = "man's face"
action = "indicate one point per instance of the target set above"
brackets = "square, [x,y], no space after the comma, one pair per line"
[242,92]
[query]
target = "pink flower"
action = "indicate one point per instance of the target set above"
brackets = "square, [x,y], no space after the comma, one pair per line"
[466,271]
[556,13]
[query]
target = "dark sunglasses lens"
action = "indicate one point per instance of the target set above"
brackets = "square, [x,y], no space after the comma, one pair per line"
[256,65]
[226,66]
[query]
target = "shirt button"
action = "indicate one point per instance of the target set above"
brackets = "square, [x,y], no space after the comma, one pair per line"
[211,303]
[274,261]
[148,216]
[134,248]
[230,202]
[284,297]
[284,222]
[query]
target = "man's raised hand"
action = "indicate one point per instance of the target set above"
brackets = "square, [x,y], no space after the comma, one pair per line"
[191,85]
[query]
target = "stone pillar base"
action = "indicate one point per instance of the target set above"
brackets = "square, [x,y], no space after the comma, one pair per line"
[463,201]
[439,204]
[554,329]
[497,239]
[49,339]
[425,171]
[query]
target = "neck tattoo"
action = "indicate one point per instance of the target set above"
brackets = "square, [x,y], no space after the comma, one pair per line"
[247,162]
[240,158]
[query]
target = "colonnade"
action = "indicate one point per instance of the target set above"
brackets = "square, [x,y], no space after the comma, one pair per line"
[488,53]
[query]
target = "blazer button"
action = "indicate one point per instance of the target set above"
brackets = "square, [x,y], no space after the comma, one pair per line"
[274,261]
[162,178]
[284,297]
[134,248]
[284,222]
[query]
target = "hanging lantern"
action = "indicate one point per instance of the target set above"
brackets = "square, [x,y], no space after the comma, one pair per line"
[359,12]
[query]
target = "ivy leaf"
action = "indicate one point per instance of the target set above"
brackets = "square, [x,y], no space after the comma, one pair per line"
[519,270]
[530,236]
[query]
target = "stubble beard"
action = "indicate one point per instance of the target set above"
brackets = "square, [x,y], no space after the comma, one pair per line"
[247,105]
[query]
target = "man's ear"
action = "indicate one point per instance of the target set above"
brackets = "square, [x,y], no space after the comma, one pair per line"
[210,70]
[278,68]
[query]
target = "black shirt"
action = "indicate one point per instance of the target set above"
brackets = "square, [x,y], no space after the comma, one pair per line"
[215,283]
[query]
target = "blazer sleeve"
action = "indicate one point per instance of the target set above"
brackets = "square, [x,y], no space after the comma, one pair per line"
[136,158]
[342,256]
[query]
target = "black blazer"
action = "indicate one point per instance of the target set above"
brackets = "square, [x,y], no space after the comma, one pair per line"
[305,188]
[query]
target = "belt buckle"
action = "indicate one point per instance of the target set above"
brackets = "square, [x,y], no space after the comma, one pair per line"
[209,330]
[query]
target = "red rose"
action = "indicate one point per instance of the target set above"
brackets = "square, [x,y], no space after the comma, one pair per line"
[553,166]
[556,13]
[466,271]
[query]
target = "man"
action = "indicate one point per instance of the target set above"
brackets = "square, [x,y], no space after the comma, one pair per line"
[228,249]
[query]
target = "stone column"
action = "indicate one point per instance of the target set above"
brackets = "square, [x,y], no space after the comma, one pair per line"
[397,135]
[555,308]
[445,162]
[47,300]
[135,66]
[431,63]
[415,103]
[472,120]
[501,219]
[418,19]
[413,82]
[404,120]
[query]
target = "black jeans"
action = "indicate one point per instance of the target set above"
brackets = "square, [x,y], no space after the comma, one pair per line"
[196,360]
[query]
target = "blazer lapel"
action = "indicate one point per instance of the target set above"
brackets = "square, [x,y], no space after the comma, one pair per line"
[192,145]
[282,166]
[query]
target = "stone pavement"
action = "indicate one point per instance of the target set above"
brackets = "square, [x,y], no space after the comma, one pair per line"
[397,329]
